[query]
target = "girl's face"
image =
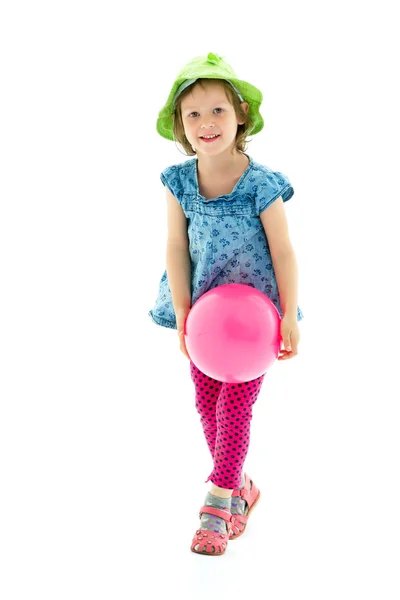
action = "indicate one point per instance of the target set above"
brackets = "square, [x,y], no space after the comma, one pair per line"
[209,119]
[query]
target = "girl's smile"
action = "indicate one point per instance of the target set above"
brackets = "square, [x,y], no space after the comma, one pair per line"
[210,138]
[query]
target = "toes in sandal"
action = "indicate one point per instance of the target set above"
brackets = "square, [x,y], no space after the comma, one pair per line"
[211,542]
[251,494]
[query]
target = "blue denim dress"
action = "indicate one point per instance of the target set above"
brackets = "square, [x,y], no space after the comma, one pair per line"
[227,241]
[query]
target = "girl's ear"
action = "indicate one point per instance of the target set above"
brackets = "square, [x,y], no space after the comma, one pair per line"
[245,108]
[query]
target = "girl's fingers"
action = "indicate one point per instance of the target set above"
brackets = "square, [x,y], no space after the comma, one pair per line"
[183,345]
[285,355]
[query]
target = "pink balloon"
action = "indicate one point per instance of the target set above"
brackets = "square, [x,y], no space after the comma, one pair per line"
[232,333]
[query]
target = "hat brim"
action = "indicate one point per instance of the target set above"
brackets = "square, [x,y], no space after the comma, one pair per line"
[249,92]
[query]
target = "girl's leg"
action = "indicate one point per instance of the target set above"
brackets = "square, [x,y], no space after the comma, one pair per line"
[233,416]
[207,393]
[226,412]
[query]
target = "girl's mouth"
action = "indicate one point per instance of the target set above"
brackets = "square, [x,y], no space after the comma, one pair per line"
[210,138]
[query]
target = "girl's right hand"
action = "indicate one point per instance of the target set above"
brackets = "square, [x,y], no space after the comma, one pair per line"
[183,344]
[180,322]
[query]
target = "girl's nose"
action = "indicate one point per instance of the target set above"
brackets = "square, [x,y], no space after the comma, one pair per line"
[207,123]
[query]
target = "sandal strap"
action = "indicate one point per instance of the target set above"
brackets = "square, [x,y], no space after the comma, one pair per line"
[244,493]
[223,514]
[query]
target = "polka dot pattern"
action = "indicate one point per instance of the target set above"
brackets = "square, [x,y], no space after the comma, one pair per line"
[225,411]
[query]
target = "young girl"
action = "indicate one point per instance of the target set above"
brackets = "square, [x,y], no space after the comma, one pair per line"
[226,224]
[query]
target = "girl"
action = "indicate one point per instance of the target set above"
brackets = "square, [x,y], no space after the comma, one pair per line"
[226,224]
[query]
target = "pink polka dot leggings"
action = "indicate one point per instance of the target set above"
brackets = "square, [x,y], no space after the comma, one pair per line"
[226,411]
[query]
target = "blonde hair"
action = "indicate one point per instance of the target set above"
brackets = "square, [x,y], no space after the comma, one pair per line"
[242,130]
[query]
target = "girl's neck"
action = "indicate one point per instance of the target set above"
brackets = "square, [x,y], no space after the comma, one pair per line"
[224,164]
[219,177]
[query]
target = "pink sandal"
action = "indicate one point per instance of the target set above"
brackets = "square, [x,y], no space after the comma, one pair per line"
[210,542]
[251,495]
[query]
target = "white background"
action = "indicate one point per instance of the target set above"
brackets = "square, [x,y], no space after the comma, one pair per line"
[102,456]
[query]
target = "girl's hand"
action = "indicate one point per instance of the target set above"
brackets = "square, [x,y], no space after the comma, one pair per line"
[290,337]
[181,334]
[180,323]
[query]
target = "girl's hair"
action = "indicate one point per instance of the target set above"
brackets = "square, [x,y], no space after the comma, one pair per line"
[242,130]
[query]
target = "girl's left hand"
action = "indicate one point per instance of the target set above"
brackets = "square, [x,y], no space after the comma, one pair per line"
[290,337]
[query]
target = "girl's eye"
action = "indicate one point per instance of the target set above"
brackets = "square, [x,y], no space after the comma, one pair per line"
[193,114]
[218,110]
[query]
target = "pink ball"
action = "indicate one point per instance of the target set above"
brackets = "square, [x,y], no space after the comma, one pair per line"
[232,333]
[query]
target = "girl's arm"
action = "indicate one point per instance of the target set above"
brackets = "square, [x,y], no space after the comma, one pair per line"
[178,259]
[283,257]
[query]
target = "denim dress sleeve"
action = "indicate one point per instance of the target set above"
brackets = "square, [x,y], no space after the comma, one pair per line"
[273,185]
[170,177]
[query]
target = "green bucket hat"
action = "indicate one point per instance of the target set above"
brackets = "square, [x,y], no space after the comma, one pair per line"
[209,67]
